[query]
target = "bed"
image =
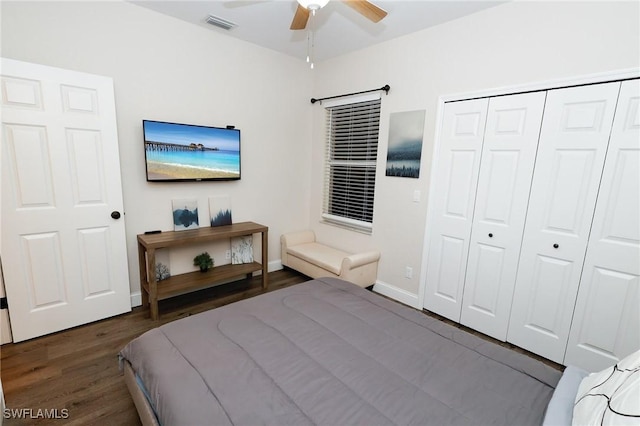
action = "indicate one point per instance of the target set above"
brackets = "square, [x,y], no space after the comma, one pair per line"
[610,397]
[328,352]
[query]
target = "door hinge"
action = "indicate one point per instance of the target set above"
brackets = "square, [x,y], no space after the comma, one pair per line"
[3,303]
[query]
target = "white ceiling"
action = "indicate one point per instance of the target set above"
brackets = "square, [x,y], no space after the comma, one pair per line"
[338,28]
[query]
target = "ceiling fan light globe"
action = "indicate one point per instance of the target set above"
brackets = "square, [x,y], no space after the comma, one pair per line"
[313,4]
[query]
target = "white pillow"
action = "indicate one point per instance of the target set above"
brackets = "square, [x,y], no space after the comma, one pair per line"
[611,396]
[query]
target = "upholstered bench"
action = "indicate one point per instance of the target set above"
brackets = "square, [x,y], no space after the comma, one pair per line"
[301,252]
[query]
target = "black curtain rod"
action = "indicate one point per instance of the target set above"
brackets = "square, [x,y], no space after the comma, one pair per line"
[386,88]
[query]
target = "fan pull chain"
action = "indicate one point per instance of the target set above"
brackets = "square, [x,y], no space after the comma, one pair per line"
[311,38]
[309,48]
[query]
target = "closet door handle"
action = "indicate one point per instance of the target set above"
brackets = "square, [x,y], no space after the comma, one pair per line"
[490,235]
[555,246]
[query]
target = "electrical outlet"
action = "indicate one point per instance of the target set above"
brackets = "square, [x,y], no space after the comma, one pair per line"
[408,272]
[227,254]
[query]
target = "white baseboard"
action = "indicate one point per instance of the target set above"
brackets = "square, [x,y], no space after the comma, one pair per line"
[274,265]
[397,294]
[5,328]
[136,297]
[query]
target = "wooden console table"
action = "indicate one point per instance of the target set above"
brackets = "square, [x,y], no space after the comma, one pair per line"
[152,290]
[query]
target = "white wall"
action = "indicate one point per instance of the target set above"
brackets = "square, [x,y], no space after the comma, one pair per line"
[511,44]
[165,69]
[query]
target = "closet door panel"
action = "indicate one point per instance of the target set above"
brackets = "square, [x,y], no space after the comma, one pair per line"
[508,157]
[571,152]
[606,323]
[457,176]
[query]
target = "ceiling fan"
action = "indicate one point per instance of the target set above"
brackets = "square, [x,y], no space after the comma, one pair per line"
[307,7]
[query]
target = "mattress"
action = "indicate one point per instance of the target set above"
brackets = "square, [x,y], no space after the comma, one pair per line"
[560,409]
[327,352]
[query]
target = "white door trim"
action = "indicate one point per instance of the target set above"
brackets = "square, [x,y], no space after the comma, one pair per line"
[601,77]
[559,83]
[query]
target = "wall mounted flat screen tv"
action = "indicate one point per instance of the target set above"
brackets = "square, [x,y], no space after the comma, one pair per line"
[185,152]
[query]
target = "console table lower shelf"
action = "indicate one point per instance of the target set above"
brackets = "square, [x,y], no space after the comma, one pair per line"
[194,281]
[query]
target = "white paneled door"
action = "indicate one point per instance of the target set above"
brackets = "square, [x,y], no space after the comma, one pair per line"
[508,157]
[457,176]
[571,153]
[63,240]
[606,322]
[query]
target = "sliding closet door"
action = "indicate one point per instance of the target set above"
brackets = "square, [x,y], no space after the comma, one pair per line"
[508,157]
[571,152]
[606,323]
[453,197]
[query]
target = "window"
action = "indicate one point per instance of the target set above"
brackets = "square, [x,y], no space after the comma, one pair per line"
[352,151]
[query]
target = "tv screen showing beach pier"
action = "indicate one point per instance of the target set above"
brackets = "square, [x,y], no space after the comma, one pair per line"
[177,152]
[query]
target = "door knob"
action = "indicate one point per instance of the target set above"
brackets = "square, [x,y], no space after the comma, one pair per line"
[115,214]
[490,235]
[556,246]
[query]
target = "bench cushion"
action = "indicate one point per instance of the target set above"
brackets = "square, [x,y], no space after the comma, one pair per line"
[320,255]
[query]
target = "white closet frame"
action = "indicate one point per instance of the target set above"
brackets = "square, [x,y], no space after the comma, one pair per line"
[507,90]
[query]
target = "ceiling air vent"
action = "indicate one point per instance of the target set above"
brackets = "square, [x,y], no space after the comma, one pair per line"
[220,23]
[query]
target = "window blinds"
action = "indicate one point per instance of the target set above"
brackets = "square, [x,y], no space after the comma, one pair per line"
[352,150]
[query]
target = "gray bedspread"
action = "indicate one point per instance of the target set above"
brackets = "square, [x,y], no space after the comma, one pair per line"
[327,352]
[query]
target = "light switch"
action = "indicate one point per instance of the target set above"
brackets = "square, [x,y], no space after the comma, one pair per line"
[416,196]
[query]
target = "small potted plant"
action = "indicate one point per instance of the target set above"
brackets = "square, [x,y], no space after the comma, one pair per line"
[204,261]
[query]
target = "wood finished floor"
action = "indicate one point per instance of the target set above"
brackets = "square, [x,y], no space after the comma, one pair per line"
[77,369]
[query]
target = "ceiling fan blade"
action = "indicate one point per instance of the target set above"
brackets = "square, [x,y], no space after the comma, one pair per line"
[300,18]
[367,9]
